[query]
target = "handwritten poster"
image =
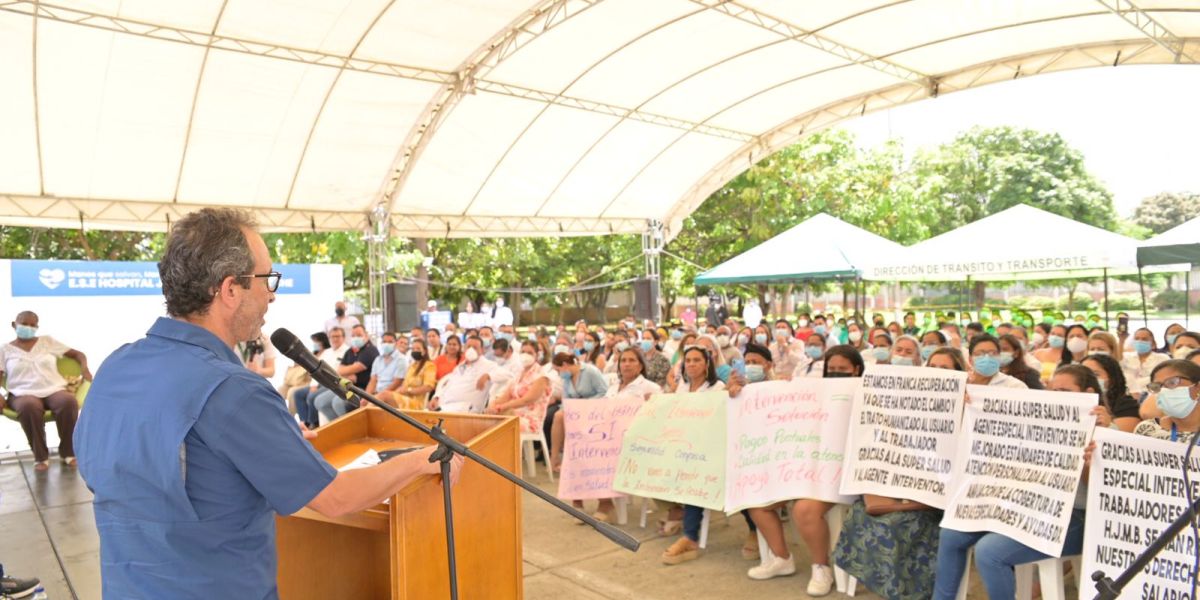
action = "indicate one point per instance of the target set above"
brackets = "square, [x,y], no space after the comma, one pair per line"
[786,440]
[1135,490]
[902,439]
[675,450]
[1021,457]
[594,431]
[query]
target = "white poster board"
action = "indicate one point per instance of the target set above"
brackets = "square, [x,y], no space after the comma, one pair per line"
[1135,490]
[786,440]
[902,440]
[1021,457]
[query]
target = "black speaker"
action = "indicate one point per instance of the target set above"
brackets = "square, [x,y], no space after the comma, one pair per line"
[645,298]
[400,311]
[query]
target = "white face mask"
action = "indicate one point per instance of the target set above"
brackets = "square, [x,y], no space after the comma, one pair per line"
[526,360]
[722,340]
[1076,345]
[472,354]
[855,336]
[1182,352]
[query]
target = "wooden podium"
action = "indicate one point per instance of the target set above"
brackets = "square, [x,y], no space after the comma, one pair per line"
[397,550]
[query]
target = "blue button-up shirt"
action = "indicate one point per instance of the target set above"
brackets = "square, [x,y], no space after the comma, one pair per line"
[591,383]
[190,456]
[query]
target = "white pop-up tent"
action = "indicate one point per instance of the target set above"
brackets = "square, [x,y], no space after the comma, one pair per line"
[1021,242]
[821,247]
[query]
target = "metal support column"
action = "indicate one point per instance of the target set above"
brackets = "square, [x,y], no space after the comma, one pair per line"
[1106,327]
[1187,300]
[377,235]
[653,242]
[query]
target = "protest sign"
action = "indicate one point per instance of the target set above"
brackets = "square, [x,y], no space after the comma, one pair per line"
[786,440]
[1135,490]
[902,436]
[1021,456]
[594,431]
[675,450]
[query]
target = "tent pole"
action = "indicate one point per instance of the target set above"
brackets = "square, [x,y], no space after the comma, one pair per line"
[1187,300]
[1142,288]
[1106,327]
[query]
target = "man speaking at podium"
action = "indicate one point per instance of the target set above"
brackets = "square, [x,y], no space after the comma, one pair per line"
[189,454]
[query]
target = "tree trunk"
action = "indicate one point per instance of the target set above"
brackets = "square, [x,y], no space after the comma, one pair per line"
[422,246]
[980,295]
[514,303]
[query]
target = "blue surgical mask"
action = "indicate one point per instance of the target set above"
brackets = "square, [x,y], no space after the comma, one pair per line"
[677,335]
[902,361]
[386,348]
[487,342]
[1142,347]
[927,350]
[566,376]
[589,346]
[1056,341]
[760,338]
[881,354]
[723,372]
[316,348]
[820,329]
[1171,339]
[26,332]
[1006,358]
[357,343]
[1176,403]
[507,336]
[987,365]
[814,352]
[647,345]
[755,373]
[621,346]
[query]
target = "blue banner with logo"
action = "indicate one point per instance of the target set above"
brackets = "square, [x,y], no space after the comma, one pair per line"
[112,278]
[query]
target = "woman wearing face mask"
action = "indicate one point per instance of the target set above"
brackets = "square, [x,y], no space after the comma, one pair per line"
[906,352]
[745,336]
[1052,354]
[890,544]
[1013,363]
[419,379]
[854,337]
[1119,409]
[996,554]
[1169,336]
[930,342]
[814,351]
[700,375]
[984,351]
[1103,342]
[1176,385]
[1041,335]
[1184,344]
[580,381]
[807,515]
[657,365]
[881,347]
[1076,346]
[592,350]
[526,396]
[786,350]
[1140,361]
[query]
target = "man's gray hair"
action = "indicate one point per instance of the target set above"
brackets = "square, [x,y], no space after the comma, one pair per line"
[203,249]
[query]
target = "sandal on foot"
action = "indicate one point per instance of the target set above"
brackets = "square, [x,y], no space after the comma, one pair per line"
[43,465]
[670,526]
[681,551]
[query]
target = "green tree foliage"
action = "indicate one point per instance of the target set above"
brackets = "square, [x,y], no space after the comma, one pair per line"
[987,170]
[76,244]
[1161,212]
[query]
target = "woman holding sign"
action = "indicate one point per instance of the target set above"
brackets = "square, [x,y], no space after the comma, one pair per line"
[996,554]
[985,364]
[699,375]
[807,515]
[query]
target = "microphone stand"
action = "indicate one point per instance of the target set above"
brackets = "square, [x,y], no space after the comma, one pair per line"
[1107,589]
[446,449]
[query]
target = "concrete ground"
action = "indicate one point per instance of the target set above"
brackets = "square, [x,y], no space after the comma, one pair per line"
[47,530]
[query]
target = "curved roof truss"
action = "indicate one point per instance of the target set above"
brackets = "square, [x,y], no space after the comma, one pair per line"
[486,117]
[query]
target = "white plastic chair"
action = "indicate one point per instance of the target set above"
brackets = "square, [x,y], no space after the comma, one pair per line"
[527,450]
[1050,574]
[844,582]
[622,505]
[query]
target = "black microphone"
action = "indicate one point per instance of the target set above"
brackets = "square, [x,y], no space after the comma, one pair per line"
[290,346]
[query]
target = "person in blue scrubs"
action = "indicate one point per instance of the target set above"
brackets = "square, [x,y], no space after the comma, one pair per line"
[189,454]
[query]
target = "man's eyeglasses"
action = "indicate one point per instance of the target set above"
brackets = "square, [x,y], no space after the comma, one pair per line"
[1169,383]
[272,279]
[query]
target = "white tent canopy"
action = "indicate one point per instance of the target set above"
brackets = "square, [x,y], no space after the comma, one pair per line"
[1021,242]
[474,117]
[822,247]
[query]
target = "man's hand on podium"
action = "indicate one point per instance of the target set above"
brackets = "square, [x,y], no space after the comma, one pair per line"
[307,433]
[435,468]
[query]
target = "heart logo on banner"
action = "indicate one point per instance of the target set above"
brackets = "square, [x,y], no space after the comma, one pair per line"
[51,278]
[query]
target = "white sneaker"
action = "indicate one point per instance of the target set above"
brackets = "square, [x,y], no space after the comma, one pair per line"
[773,567]
[821,582]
